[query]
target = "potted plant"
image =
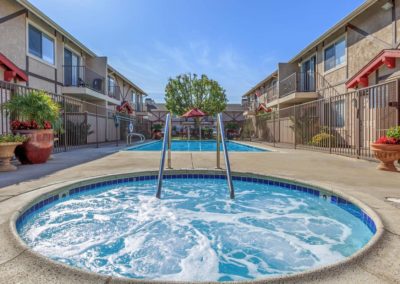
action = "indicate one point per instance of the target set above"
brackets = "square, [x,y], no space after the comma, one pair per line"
[387,149]
[231,128]
[157,131]
[37,115]
[8,143]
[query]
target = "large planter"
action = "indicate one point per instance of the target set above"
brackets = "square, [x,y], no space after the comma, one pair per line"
[6,154]
[387,154]
[38,148]
[157,134]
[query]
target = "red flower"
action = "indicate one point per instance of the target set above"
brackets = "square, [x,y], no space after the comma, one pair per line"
[15,124]
[47,125]
[25,125]
[387,140]
[34,125]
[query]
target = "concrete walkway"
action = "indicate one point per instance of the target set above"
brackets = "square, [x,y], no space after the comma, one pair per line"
[56,163]
[353,177]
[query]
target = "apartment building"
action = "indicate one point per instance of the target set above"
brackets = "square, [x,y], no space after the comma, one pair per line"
[158,112]
[345,80]
[36,52]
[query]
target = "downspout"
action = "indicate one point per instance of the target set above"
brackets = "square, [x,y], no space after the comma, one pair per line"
[394,24]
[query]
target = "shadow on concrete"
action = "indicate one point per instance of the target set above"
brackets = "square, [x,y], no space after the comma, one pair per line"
[57,162]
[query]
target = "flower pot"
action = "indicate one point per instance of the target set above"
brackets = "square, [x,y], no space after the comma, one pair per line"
[387,154]
[37,149]
[6,153]
[157,135]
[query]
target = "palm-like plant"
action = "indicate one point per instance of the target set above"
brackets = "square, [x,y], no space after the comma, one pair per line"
[35,106]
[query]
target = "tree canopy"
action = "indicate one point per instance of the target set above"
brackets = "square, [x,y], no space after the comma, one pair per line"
[189,91]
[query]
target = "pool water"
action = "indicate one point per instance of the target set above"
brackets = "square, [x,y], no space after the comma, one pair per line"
[196,146]
[195,232]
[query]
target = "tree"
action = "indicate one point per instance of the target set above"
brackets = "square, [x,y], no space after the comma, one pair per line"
[189,91]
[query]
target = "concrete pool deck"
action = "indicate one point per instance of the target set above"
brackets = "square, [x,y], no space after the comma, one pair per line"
[355,178]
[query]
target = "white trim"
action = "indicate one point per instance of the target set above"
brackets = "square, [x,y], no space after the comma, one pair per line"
[54,38]
[333,42]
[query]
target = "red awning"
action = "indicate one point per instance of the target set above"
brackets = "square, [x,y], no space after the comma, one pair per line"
[125,106]
[194,113]
[12,71]
[263,108]
[385,57]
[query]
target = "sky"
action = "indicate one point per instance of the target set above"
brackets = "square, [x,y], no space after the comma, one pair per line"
[236,42]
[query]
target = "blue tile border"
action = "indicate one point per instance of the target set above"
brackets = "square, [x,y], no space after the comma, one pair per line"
[336,200]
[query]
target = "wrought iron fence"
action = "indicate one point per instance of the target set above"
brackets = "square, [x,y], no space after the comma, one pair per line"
[343,124]
[82,123]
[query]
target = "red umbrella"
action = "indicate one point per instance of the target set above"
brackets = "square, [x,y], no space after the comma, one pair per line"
[195,112]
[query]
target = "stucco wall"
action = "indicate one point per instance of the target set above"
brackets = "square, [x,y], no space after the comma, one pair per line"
[13,34]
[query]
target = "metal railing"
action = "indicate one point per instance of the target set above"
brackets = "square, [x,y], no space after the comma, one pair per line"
[297,82]
[82,123]
[114,92]
[271,93]
[166,145]
[344,124]
[221,136]
[82,76]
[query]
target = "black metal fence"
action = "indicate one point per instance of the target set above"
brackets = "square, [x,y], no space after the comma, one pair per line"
[343,124]
[82,123]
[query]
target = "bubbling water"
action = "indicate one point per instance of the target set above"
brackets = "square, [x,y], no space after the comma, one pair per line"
[195,232]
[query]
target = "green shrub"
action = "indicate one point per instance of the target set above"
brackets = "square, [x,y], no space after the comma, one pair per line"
[393,132]
[157,127]
[35,106]
[322,139]
[9,138]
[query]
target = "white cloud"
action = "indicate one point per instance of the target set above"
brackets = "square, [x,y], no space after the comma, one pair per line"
[150,66]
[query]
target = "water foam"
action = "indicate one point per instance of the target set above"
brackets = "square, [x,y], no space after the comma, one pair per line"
[195,232]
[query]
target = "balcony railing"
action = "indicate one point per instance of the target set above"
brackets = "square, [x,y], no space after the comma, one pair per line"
[81,76]
[114,92]
[271,94]
[297,82]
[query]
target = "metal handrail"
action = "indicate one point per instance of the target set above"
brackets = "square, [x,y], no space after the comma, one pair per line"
[226,156]
[166,143]
[130,135]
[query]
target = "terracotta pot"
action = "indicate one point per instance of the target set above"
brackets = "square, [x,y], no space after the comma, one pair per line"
[38,148]
[156,134]
[387,154]
[6,154]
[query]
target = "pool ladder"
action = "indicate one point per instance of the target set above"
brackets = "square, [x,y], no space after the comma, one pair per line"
[221,136]
[220,139]
[166,144]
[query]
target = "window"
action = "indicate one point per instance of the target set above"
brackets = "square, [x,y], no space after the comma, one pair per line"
[111,85]
[41,45]
[133,95]
[335,54]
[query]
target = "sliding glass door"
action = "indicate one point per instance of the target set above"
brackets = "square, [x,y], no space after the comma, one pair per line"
[71,68]
[307,78]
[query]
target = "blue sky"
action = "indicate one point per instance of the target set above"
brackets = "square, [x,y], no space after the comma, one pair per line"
[236,42]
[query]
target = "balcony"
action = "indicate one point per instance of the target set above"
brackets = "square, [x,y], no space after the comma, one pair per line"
[114,92]
[81,76]
[252,108]
[84,83]
[297,88]
[271,94]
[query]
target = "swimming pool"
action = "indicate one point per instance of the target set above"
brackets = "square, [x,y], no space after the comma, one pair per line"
[195,232]
[196,146]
